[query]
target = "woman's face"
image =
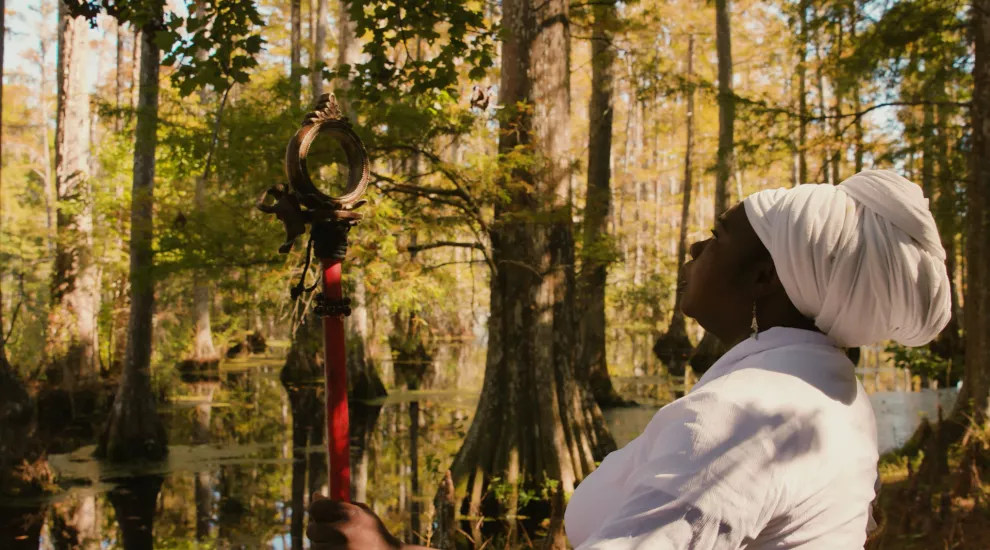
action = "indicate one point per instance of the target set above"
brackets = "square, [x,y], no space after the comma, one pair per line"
[719,283]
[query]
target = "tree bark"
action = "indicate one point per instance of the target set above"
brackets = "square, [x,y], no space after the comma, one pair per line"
[118,75]
[838,92]
[673,348]
[976,382]
[204,354]
[319,43]
[134,429]
[533,422]
[592,365]
[135,66]
[16,404]
[709,349]
[857,102]
[928,151]
[826,159]
[47,185]
[726,106]
[348,50]
[72,331]
[4,365]
[295,63]
[949,342]
[362,373]
[802,74]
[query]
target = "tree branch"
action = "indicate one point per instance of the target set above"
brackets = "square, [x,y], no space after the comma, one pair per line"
[432,267]
[441,244]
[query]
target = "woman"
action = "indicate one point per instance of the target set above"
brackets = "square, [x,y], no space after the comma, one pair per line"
[775,447]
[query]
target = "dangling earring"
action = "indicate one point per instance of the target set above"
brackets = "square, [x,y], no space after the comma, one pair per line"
[754,326]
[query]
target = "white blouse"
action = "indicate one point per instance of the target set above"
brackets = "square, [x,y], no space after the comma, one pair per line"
[775,447]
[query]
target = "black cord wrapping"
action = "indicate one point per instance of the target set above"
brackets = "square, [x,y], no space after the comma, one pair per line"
[301,287]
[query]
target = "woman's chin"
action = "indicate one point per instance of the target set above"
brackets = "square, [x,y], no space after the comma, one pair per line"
[686,310]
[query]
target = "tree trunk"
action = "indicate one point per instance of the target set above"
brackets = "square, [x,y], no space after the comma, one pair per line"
[134,429]
[976,383]
[928,151]
[362,373]
[413,355]
[415,504]
[204,354]
[16,419]
[364,417]
[802,74]
[533,422]
[295,64]
[838,92]
[18,528]
[72,331]
[134,502]
[75,524]
[826,163]
[46,157]
[949,343]
[673,348]
[857,103]
[135,67]
[4,365]
[348,50]
[709,349]
[203,480]
[319,43]
[119,75]
[726,106]
[300,377]
[592,365]
[639,109]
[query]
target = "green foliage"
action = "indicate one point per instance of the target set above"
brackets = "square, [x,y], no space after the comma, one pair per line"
[503,491]
[216,46]
[454,33]
[923,362]
[140,13]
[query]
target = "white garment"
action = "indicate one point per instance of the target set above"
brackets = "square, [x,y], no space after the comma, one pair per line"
[775,447]
[862,258]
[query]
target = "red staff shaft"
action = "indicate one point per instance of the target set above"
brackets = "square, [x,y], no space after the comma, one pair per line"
[338,423]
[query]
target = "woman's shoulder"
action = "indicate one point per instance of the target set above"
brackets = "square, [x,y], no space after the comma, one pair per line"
[789,378]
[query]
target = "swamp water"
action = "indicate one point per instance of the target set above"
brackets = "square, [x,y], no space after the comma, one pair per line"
[234,479]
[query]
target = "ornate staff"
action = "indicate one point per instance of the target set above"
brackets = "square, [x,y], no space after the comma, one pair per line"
[329,219]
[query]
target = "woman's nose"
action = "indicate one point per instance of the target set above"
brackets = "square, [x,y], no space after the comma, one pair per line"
[696,249]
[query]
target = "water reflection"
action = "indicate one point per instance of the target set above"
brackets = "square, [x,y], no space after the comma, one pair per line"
[236,477]
[247,452]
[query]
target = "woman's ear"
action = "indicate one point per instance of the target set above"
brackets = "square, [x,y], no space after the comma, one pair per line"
[766,282]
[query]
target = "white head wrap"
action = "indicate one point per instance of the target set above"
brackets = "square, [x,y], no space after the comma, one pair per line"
[863,258]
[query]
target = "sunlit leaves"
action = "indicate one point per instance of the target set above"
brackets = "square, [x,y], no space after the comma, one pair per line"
[418,47]
[217,46]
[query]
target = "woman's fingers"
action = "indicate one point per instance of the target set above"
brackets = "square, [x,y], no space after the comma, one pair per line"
[326,533]
[335,525]
[325,510]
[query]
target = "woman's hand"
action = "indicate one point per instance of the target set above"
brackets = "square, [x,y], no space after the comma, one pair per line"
[336,525]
